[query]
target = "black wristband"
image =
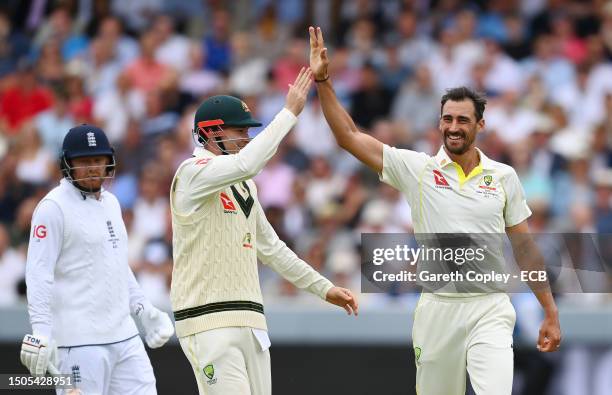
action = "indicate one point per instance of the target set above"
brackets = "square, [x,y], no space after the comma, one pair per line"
[323,80]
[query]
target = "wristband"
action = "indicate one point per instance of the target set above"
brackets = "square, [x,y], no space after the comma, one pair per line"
[323,80]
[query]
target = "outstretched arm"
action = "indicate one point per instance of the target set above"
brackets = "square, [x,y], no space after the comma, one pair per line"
[363,146]
[272,251]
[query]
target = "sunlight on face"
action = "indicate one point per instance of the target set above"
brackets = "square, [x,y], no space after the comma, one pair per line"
[458,126]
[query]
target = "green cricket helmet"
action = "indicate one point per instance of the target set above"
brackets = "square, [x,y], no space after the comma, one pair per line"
[217,112]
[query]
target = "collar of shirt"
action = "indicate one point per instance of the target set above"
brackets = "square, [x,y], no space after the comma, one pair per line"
[64,183]
[444,160]
[201,152]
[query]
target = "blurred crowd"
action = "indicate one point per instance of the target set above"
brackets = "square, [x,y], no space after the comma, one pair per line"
[139,68]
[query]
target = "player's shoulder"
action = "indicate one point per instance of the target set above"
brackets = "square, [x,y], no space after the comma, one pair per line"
[48,207]
[391,153]
[106,194]
[503,170]
[501,167]
[199,160]
[52,199]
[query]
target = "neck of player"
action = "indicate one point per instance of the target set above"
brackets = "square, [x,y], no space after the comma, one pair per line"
[468,160]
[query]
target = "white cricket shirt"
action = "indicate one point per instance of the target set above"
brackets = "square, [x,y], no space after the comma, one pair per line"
[443,199]
[80,288]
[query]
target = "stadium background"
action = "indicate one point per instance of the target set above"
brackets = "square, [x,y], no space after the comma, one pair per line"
[139,68]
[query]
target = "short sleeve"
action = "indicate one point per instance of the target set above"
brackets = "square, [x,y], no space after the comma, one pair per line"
[516,209]
[402,168]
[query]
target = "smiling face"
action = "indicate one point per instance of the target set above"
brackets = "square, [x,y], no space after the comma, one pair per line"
[459,126]
[90,171]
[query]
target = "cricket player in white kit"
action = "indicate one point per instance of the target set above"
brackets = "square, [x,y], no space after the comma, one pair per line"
[219,232]
[80,288]
[459,190]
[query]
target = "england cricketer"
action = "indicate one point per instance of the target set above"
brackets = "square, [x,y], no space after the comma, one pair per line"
[80,288]
[451,333]
[219,232]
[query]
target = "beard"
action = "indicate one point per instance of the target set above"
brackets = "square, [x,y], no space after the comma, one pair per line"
[462,144]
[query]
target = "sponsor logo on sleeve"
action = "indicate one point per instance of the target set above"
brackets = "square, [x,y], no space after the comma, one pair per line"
[40,231]
[202,161]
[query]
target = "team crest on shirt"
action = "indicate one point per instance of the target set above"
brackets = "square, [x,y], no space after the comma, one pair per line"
[209,372]
[111,232]
[246,241]
[485,186]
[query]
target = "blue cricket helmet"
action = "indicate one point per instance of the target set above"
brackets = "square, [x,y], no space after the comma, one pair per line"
[85,140]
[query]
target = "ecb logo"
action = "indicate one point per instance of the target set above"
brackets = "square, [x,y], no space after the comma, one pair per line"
[91,139]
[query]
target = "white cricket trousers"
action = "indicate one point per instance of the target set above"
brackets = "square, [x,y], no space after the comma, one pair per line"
[451,335]
[109,369]
[229,361]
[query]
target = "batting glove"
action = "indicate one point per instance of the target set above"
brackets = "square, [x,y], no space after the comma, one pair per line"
[39,355]
[157,326]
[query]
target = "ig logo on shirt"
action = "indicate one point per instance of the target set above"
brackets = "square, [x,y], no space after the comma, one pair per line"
[40,232]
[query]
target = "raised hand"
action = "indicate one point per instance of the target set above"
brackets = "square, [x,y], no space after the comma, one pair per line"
[298,91]
[318,54]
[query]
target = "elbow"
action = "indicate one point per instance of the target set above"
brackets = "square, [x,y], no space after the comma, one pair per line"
[345,139]
[249,168]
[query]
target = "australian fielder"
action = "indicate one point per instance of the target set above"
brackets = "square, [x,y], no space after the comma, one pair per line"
[220,231]
[456,332]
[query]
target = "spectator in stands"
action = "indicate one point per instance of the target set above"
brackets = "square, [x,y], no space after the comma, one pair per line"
[124,47]
[217,45]
[14,46]
[371,100]
[416,105]
[22,100]
[173,49]
[53,124]
[145,72]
